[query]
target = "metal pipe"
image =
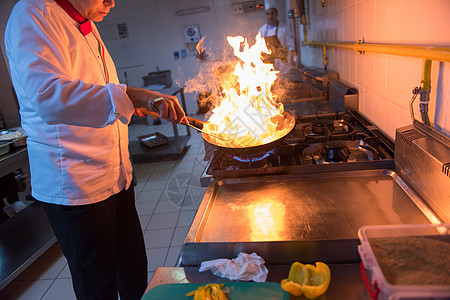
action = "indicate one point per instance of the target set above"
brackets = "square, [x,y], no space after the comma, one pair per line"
[304,29]
[325,58]
[425,87]
[294,14]
[426,52]
[415,92]
[425,83]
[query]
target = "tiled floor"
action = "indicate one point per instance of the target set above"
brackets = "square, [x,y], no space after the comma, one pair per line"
[168,194]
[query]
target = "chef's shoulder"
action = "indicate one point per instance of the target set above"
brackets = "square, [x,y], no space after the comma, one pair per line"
[34,21]
[26,12]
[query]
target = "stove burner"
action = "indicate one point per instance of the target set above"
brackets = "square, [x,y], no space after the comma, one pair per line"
[323,130]
[335,151]
[254,157]
[224,161]
[326,139]
[340,151]
[322,125]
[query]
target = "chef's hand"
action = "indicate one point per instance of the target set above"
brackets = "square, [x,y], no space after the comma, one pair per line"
[166,106]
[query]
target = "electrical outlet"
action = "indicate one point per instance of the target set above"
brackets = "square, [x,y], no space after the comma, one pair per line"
[237,8]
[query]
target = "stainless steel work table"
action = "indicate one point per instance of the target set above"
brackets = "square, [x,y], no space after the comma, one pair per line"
[11,161]
[27,235]
[346,282]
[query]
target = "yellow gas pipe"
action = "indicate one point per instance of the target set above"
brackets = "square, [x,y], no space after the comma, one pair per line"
[304,29]
[428,53]
[325,58]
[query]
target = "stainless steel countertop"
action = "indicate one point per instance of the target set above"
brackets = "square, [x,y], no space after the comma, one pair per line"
[306,217]
[346,282]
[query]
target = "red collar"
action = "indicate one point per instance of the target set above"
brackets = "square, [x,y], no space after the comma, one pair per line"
[85,24]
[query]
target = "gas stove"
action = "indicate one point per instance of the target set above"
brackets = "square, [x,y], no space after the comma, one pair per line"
[308,196]
[344,140]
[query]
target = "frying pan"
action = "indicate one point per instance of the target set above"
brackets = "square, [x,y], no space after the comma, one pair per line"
[252,150]
[240,151]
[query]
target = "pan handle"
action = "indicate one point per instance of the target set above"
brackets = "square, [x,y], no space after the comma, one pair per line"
[195,122]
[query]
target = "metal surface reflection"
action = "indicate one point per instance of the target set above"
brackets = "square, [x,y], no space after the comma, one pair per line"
[266,219]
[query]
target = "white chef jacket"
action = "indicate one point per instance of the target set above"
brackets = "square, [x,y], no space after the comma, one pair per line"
[76,122]
[283,35]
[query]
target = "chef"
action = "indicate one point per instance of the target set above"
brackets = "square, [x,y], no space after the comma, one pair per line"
[76,115]
[278,38]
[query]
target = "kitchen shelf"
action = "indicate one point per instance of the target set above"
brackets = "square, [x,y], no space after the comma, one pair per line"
[13,160]
[25,236]
[23,239]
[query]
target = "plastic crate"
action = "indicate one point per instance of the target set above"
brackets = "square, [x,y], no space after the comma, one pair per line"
[374,280]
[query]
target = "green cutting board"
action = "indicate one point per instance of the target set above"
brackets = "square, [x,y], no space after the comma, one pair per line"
[238,291]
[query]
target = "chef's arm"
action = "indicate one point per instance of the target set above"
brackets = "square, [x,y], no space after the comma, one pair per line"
[41,69]
[166,106]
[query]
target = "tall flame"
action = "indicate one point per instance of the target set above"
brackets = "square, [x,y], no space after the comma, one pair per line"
[247,114]
[200,48]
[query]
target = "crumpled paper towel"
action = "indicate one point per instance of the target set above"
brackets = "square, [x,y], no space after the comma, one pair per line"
[244,267]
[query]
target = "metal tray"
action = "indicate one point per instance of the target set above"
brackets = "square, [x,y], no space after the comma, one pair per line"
[5,146]
[153,140]
[309,217]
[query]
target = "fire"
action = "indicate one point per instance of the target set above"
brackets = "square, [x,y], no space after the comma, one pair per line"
[247,114]
[200,48]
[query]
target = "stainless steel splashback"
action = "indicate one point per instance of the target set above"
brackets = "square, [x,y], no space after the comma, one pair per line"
[422,159]
[343,96]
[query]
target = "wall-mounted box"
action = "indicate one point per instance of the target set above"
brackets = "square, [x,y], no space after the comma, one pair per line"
[192,34]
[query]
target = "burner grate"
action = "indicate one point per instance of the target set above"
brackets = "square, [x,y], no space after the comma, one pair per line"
[309,144]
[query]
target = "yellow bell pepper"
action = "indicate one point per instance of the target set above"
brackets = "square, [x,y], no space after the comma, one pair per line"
[211,291]
[310,280]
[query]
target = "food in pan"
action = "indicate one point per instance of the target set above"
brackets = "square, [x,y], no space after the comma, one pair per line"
[245,113]
[312,281]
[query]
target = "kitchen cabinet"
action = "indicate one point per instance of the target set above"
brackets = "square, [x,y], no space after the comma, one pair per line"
[25,236]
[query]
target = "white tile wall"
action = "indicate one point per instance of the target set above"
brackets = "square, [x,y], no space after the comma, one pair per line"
[385,82]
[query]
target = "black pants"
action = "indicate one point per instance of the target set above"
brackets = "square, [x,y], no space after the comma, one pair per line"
[104,246]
